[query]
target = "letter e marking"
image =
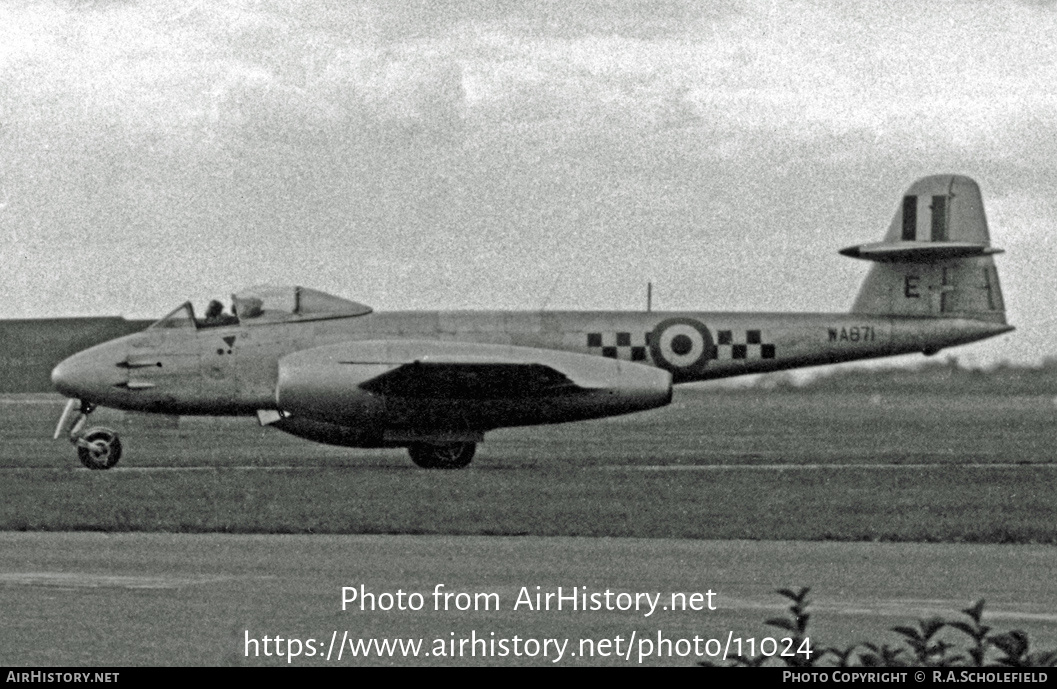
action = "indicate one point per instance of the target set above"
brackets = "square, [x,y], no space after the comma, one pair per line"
[910,287]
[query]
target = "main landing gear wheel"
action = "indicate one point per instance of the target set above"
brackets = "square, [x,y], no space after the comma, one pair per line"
[446,456]
[99,448]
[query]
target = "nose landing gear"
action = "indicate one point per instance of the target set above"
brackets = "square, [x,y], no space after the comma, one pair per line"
[97,447]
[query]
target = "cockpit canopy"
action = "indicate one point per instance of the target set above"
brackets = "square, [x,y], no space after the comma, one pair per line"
[269,304]
[272,303]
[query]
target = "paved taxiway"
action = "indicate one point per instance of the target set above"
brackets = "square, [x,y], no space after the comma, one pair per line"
[162,599]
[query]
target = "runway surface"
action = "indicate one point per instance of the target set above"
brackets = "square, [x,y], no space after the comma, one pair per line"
[608,467]
[181,599]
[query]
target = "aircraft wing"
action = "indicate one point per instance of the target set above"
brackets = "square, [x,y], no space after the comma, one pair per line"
[476,380]
[413,368]
[338,381]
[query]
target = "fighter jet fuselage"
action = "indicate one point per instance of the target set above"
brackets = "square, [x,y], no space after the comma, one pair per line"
[334,371]
[235,370]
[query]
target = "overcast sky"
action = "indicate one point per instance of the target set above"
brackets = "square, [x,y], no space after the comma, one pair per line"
[512,155]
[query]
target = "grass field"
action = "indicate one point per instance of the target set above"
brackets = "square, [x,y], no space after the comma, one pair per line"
[741,464]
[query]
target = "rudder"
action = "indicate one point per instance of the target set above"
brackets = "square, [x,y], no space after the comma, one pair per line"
[936,258]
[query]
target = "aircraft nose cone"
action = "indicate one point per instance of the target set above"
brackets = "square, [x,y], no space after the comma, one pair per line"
[91,374]
[65,379]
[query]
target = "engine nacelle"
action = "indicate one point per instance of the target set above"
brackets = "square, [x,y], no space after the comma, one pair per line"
[316,384]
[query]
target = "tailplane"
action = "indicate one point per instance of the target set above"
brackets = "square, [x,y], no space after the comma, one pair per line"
[936,259]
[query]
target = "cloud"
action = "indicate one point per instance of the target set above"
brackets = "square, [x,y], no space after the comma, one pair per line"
[478,154]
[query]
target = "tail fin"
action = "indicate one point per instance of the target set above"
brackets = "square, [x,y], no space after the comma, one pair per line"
[936,259]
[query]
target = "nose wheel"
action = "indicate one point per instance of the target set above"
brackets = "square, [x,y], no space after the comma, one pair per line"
[97,447]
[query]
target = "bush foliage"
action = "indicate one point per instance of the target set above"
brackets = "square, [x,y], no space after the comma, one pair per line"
[921,645]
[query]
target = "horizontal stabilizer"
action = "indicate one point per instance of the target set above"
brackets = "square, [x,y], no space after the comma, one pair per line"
[917,252]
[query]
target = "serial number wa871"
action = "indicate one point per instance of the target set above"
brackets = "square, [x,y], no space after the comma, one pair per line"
[856,333]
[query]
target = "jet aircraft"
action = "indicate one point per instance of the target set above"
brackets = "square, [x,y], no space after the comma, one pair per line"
[334,371]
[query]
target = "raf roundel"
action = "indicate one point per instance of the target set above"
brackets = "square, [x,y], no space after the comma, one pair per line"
[681,345]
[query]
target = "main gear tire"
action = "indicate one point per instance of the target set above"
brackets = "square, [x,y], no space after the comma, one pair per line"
[443,456]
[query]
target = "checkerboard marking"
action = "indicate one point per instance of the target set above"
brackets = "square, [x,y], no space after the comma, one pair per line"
[627,346]
[751,346]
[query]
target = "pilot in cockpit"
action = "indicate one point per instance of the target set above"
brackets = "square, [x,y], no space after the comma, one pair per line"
[215,315]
